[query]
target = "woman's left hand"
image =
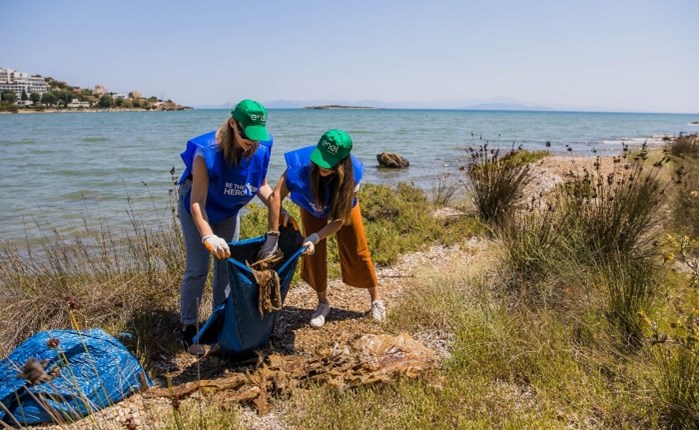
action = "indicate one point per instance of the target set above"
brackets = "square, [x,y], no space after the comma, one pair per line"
[310,244]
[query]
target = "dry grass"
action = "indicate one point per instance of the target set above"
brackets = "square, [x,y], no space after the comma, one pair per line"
[114,282]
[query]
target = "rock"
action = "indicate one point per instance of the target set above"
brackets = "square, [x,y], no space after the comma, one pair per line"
[394,161]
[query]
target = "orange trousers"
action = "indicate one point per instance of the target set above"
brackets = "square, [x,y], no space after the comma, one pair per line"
[355,258]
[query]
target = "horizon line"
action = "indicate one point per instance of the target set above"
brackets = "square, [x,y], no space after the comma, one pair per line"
[552,110]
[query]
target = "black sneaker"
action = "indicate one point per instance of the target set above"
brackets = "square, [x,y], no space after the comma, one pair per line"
[187,333]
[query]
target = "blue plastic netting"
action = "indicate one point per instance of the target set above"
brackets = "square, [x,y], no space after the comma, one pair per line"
[96,371]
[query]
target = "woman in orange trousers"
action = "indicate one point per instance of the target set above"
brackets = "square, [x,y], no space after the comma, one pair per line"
[323,181]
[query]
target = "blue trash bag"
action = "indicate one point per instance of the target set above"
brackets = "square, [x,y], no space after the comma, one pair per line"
[236,324]
[96,371]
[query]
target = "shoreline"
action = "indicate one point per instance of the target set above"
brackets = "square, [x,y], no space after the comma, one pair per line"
[91,110]
[548,172]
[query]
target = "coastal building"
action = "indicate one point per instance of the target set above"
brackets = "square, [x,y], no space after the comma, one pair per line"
[19,81]
[78,104]
[99,90]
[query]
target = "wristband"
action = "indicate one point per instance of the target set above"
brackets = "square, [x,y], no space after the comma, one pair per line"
[273,233]
[314,238]
[203,239]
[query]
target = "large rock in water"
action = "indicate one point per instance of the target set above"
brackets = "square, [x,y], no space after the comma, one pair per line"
[394,161]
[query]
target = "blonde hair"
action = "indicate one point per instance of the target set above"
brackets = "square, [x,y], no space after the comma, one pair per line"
[341,189]
[225,138]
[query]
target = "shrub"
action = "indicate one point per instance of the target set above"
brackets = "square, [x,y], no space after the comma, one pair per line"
[684,146]
[529,246]
[677,384]
[496,183]
[686,203]
[630,285]
[400,220]
[526,156]
[444,189]
[605,214]
[253,220]
[678,389]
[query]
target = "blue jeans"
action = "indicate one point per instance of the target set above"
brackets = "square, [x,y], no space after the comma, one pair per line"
[197,261]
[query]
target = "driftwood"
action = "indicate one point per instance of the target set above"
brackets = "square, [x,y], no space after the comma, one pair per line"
[370,359]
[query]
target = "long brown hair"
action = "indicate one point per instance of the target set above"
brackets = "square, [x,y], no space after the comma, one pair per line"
[225,137]
[341,189]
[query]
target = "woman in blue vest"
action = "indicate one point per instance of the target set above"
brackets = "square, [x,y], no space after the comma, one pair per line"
[323,181]
[224,170]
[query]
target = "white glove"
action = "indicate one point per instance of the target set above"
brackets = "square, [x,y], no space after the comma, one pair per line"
[216,246]
[270,246]
[310,244]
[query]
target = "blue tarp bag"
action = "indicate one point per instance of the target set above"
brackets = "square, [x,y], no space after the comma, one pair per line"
[236,324]
[96,371]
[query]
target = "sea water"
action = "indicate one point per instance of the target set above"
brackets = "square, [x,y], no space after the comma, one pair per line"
[60,170]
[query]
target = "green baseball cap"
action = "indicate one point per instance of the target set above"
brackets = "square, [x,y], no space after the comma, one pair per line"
[253,117]
[332,147]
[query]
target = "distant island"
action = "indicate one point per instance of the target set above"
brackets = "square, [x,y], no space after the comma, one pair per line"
[338,107]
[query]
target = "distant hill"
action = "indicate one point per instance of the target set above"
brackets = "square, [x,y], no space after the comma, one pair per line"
[508,106]
[339,107]
[300,104]
[496,103]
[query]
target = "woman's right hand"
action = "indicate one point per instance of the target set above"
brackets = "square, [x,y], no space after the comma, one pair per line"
[217,246]
[270,246]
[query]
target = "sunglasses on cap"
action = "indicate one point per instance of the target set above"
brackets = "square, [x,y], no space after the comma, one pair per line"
[241,133]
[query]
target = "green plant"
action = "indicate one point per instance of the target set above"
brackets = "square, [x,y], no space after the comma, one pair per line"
[686,203]
[444,189]
[630,284]
[676,356]
[399,220]
[525,156]
[604,213]
[684,146]
[530,246]
[496,183]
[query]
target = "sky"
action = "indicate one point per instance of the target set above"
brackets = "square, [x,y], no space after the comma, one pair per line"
[608,55]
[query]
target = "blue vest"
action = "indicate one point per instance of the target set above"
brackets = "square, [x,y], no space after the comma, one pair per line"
[298,175]
[230,187]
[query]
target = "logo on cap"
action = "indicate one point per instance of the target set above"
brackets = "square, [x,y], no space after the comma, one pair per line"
[330,147]
[261,118]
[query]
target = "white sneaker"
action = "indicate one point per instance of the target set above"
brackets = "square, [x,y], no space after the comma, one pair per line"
[318,316]
[378,310]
